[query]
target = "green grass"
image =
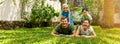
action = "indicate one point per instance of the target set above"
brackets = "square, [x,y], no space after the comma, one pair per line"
[42,36]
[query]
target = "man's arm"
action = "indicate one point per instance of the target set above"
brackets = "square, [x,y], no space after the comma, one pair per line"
[74,33]
[54,33]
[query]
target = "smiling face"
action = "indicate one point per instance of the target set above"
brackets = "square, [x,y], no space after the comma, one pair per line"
[65,9]
[86,24]
[64,23]
[84,13]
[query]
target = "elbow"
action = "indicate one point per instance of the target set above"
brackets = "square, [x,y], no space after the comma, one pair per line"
[52,33]
[94,36]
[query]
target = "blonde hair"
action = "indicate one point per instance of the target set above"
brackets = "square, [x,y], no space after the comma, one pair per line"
[65,5]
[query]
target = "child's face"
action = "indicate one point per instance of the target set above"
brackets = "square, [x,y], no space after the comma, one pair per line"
[85,13]
[65,9]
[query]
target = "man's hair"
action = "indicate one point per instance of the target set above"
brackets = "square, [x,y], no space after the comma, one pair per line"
[62,18]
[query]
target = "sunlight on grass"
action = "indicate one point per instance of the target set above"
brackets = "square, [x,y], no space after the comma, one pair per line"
[42,36]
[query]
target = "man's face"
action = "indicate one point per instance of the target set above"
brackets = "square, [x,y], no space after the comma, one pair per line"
[64,23]
[85,24]
[85,13]
[65,9]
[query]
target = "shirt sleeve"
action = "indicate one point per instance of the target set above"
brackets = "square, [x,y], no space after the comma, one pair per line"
[91,29]
[90,17]
[69,12]
[57,27]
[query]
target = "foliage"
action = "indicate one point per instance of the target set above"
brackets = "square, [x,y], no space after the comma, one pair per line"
[95,7]
[23,12]
[1,2]
[109,11]
[42,13]
[42,36]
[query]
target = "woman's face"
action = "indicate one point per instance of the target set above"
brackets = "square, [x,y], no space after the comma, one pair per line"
[65,9]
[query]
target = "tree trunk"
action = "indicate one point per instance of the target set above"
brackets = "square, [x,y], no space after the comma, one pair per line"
[108,17]
[62,2]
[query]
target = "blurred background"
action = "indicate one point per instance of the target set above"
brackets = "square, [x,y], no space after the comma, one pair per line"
[31,21]
[42,13]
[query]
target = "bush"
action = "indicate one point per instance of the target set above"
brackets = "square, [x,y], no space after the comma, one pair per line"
[41,14]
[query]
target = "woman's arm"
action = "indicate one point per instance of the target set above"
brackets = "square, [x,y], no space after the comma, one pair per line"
[78,31]
[92,36]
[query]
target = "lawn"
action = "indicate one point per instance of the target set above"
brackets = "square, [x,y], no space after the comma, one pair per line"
[42,36]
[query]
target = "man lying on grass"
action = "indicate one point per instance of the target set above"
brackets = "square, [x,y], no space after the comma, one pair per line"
[85,30]
[64,28]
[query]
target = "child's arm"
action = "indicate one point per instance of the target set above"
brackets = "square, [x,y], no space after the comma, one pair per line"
[69,15]
[69,18]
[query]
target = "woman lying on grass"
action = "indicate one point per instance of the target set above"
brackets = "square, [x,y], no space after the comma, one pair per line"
[85,30]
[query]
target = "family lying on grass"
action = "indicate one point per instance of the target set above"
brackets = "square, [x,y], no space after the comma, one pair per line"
[66,26]
[66,29]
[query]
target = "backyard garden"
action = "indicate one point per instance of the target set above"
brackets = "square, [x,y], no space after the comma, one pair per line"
[32,21]
[43,36]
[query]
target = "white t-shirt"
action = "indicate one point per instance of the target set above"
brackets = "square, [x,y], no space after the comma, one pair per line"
[87,32]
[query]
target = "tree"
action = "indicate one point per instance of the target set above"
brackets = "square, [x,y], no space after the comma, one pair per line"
[62,2]
[108,17]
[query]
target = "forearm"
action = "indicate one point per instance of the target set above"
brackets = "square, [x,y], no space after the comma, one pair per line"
[57,34]
[92,36]
[53,34]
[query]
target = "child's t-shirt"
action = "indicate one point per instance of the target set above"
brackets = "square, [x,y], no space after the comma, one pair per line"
[65,13]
